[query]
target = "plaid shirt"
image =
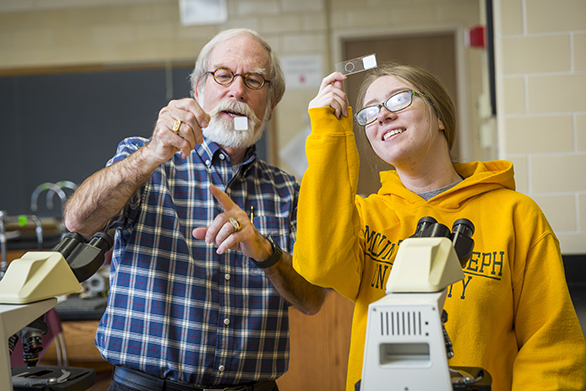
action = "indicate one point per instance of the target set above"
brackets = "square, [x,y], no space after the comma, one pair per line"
[176,308]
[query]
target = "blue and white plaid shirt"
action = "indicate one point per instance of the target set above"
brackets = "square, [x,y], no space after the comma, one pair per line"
[176,308]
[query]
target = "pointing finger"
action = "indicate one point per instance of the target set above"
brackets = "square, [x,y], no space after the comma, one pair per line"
[223,198]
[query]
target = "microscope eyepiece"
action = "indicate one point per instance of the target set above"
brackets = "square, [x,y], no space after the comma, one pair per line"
[102,240]
[83,258]
[462,232]
[463,226]
[422,225]
[438,231]
[428,227]
[461,235]
[69,243]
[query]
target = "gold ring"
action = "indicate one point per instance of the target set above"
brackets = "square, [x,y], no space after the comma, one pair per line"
[176,126]
[235,224]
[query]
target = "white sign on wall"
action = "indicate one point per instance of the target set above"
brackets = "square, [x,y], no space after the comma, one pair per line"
[202,12]
[302,71]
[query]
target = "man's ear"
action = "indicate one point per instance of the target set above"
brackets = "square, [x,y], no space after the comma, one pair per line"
[273,104]
[196,91]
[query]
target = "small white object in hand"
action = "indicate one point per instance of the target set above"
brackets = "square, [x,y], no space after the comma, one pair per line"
[240,123]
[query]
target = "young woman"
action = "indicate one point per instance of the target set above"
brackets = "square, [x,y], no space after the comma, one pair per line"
[512,314]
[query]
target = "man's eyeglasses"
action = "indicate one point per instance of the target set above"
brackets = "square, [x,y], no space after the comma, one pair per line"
[225,77]
[397,102]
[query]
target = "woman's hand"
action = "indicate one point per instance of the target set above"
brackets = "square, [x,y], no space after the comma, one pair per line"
[331,94]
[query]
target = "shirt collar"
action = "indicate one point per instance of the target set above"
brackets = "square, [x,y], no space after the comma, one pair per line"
[208,150]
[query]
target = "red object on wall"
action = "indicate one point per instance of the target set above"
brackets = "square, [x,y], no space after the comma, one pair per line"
[476,37]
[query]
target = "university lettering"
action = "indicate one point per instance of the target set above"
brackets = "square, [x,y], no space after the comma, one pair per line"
[378,280]
[381,251]
[489,263]
[378,247]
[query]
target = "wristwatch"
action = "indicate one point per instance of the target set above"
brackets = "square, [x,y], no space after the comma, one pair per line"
[273,259]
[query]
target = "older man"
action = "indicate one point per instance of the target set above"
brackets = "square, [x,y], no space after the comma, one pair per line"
[201,274]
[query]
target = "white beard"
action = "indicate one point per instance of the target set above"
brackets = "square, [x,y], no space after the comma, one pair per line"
[221,130]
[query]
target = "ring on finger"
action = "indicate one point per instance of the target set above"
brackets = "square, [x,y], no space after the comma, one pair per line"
[235,224]
[176,126]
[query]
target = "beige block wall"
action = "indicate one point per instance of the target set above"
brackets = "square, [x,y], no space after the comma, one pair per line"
[541,94]
[540,55]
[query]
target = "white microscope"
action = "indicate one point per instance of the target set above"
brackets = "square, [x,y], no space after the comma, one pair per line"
[407,347]
[27,291]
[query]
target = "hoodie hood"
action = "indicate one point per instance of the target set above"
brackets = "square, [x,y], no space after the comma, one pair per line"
[479,177]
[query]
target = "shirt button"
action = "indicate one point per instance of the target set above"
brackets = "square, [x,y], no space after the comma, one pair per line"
[227,276]
[222,157]
[226,321]
[221,368]
[207,162]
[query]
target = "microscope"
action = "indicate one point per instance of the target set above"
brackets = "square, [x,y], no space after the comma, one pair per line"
[27,291]
[407,347]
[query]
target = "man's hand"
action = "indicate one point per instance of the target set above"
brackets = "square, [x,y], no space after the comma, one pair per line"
[291,286]
[224,235]
[166,141]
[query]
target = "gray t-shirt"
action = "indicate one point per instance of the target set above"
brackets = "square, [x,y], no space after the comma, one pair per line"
[427,195]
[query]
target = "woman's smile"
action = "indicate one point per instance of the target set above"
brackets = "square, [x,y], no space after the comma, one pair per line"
[391,132]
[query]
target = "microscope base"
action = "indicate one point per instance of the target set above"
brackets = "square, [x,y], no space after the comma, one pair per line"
[53,378]
[481,382]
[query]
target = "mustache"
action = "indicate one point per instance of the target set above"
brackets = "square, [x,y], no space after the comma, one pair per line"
[234,107]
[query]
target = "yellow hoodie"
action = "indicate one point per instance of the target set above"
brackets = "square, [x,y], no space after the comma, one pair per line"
[512,315]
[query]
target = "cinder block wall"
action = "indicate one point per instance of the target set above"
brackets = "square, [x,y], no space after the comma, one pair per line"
[541,93]
[74,33]
[540,53]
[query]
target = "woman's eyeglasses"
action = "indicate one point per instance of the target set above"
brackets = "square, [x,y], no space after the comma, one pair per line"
[225,77]
[397,102]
